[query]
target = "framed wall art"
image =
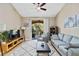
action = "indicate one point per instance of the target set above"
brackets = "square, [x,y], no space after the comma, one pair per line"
[70,22]
[77,21]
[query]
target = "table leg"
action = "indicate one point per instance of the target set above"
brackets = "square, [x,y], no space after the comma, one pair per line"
[37,54]
[48,54]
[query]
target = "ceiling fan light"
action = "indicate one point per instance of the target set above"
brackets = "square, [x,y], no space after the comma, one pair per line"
[38,8]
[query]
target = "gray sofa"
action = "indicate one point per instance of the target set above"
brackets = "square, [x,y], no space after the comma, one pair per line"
[66,45]
[45,37]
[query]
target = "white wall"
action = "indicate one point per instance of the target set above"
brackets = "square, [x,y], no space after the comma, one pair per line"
[28,30]
[68,10]
[52,21]
[9,16]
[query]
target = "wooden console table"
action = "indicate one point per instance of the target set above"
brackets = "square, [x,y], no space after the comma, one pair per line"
[10,45]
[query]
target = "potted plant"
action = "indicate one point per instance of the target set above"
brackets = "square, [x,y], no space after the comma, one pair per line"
[4,37]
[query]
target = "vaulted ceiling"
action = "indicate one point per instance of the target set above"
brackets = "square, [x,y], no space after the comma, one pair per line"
[29,9]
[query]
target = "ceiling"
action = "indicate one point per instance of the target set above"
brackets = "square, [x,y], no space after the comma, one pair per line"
[29,9]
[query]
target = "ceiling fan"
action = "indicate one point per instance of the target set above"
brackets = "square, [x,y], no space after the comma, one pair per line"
[40,6]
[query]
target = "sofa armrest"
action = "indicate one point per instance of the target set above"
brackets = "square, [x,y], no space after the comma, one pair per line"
[63,50]
[73,52]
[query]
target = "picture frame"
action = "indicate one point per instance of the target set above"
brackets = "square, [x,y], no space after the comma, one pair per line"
[66,23]
[70,21]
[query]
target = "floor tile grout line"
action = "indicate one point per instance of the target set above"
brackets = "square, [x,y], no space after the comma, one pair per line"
[26,50]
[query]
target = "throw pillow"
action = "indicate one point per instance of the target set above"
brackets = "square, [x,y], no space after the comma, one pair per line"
[74,42]
[60,35]
[55,37]
[67,38]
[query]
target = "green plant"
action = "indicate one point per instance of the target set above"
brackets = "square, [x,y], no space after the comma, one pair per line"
[38,29]
[4,36]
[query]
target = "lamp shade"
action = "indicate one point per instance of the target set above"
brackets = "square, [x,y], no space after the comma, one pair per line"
[23,28]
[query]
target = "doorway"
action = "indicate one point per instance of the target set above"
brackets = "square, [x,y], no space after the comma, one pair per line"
[37,28]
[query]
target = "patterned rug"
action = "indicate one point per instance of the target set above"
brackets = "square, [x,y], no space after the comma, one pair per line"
[28,48]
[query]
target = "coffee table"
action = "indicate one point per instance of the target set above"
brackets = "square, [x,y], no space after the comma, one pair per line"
[42,47]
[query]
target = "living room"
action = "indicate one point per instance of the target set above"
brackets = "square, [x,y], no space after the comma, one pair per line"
[18,16]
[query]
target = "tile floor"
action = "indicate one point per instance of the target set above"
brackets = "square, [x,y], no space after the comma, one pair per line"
[28,48]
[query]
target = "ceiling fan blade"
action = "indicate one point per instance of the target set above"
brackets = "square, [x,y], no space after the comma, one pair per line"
[33,3]
[43,9]
[42,4]
[36,3]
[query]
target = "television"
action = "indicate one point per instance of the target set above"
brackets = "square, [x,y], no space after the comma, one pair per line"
[14,34]
[11,34]
[18,33]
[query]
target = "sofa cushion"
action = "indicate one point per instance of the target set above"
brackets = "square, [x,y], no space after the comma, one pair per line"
[73,52]
[63,50]
[66,46]
[54,37]
[58,42]
[67,38]
[60,35]
[74,42]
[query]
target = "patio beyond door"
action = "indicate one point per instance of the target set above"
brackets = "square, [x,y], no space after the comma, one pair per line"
[37,28]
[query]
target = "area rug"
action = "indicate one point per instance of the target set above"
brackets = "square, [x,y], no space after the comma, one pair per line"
[28,48]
